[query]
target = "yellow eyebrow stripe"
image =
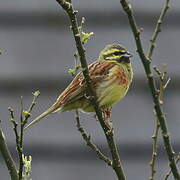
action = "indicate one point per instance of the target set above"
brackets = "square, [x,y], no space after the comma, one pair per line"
[113,51]
[113,57]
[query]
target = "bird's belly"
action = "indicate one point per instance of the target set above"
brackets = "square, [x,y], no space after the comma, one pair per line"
[111,94]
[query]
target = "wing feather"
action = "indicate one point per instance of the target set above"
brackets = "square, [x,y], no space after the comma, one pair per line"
[77,88]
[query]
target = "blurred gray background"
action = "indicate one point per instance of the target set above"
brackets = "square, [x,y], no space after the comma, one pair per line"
[37,52]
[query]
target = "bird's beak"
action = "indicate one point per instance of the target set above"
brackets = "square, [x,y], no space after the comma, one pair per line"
[129,54]
[125,58]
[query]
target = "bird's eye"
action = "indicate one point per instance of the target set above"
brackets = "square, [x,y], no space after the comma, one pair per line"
[118,53]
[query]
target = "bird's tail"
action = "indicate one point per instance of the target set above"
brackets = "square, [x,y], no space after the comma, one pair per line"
[53,108]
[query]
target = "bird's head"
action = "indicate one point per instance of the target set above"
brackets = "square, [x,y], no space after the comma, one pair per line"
[115,53]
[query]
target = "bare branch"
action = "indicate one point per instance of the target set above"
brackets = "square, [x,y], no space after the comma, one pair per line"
[162,86]
[7,157]
[89,142]
[154,92]
[68,7]
[23,121]
[24,116]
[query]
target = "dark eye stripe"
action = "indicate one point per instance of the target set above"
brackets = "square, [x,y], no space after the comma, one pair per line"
[118,53]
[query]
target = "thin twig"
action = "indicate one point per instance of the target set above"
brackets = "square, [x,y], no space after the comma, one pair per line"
[154,92]
[21,163]
[163,82]
[7,157]
[89,142]
[154,153]
[68,7]
[157,29]
[18,148]
[18,142]
[28,113]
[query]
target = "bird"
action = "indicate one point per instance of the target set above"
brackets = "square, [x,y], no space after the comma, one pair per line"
[111,75]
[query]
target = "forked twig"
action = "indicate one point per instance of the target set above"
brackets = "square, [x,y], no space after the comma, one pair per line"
[154,91]
[169,172]
[117,166]
[24,116]
[89,142]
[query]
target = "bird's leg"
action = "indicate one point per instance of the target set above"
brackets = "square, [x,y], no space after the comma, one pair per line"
[107,113]
[107,118]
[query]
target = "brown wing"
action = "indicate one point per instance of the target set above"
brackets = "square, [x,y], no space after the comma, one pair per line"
[76,89]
